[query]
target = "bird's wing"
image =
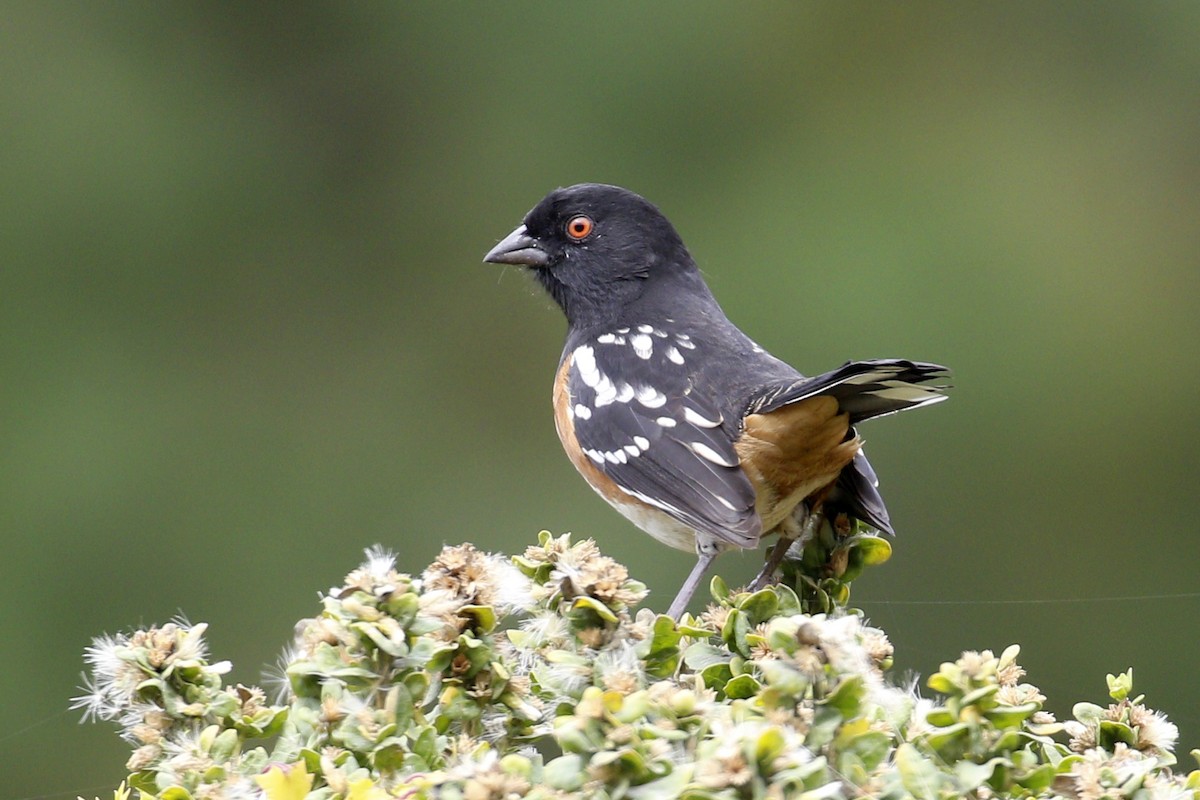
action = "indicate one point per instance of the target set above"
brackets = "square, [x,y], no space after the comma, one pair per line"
[638,416]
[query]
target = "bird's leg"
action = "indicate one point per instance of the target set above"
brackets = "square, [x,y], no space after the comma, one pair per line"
[703,562]
[789,531]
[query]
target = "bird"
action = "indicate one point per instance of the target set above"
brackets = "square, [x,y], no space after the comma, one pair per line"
[683,423]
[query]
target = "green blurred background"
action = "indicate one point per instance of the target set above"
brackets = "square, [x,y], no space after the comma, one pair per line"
[245,331]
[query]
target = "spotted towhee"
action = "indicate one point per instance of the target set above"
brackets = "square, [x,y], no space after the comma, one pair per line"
[678,419]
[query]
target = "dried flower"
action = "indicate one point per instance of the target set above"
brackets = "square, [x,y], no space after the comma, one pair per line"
[1019,694]
[1155,733]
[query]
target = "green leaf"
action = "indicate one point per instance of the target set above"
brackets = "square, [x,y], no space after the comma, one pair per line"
[950,742]
[784,677]
[941,683]
[660,650]
[484,616]
[971,776]
[742,686]
[593,605]
[715,676]
[768,746]
[403,607]
[425,745]
[1011,716]
[664,634]
[394,648]
[871,747]
[1039,779]
[1008,657]
[872,549]
[977,696]
[389,755]
[734,631]
[718,589]
[626,762]
[1087,713]
[566,773]
[1008,740]
[823,728]
[224,745]
[702,654]
[668,787]
[633,707]
[847,696]
[760,606]
[1110,733]
[789,603]
[918,774]
[941,717]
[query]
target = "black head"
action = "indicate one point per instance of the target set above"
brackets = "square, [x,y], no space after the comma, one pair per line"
[595,248]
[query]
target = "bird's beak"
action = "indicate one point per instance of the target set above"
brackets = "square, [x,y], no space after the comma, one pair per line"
[518,248]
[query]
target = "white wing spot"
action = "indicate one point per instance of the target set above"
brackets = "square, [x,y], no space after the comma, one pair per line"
[660,334]
[684,341]
[582,411]
[645,328]
[704,451]
[651,397]
[595,455]
[622,330]
[606,338]
[674,355]
[633,450]
[666,422]
[725,502]
[584,359]
[642,442]
[605,392]
[701,422]
[624,393]
[642,344]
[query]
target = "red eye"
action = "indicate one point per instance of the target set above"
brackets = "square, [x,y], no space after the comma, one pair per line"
[579,226]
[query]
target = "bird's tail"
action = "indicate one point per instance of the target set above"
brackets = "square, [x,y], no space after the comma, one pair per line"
[869,389]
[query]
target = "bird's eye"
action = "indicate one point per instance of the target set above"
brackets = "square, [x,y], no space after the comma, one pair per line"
[579,226]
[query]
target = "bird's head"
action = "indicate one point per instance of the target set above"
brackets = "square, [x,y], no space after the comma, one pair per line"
[595,248]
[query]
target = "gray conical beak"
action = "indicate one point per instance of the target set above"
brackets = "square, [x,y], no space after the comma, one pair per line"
[518,248]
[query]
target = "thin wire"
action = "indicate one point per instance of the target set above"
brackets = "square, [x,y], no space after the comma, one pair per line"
[94,791]
[32,725]
[1129,598]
